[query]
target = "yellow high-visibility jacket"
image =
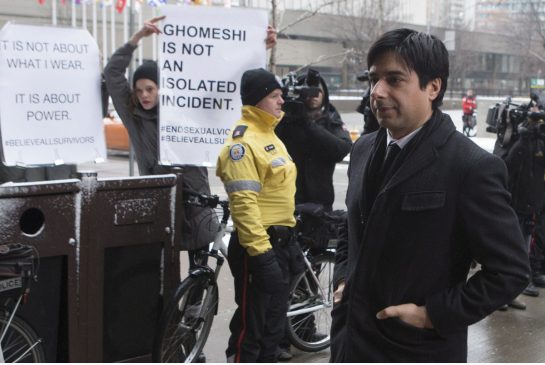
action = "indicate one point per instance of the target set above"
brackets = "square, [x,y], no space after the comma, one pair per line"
[259,178]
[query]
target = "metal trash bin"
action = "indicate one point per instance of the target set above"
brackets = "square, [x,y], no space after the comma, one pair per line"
[130,251]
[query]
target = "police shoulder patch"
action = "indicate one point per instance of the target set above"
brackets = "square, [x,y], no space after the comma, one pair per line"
[236,152]
[239,131]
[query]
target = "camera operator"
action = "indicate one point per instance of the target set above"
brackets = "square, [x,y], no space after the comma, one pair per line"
[370,123]
[316,139]
[525,160]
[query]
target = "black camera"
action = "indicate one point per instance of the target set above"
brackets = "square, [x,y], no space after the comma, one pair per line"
[364,76]
[370,123]
[296,89]
[512,121]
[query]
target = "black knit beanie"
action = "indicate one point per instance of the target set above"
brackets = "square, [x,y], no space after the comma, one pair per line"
[256,84]
[147,70]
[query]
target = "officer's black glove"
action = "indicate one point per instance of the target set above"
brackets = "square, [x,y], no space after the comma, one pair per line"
[266,273]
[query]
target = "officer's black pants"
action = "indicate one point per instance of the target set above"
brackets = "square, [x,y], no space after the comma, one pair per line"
[258,323]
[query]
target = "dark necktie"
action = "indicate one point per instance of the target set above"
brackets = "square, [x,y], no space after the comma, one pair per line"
[391,153]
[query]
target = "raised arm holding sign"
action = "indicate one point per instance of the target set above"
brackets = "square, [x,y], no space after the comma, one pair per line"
[137,107]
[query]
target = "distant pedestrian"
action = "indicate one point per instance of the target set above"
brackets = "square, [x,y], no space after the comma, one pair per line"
[469,106]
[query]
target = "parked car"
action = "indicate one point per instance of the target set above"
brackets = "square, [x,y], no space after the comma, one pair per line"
[117,137]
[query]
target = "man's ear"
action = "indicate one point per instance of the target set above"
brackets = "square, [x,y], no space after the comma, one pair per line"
[434,87]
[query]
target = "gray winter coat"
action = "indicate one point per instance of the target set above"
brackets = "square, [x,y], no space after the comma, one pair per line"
[141,124]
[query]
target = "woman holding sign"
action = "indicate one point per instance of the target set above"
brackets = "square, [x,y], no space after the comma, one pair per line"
[138,110]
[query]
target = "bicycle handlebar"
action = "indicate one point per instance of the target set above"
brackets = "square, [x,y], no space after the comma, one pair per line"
[200,199]
[207,201]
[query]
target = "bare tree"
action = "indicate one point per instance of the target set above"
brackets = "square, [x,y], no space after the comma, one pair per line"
[277,15]
[358,27]
[527,33]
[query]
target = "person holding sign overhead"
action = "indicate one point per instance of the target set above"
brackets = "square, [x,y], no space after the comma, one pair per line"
[138,110]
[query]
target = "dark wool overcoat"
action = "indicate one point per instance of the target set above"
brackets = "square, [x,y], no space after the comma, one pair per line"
[445,205]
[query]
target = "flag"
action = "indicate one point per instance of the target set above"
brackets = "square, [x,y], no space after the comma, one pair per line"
[120,5]
[138,5]
[156,2]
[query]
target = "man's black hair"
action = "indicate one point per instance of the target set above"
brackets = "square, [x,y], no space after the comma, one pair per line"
[421,52]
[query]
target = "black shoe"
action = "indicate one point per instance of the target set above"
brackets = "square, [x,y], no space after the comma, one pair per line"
[503,308]
[531,291]
[283,354]
[517,304]
[539,280]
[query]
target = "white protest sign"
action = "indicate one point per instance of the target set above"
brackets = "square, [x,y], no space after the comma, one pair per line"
[50,105]
[203,52]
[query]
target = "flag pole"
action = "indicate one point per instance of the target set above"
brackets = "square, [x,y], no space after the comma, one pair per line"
[84,14]
[140,24]
[94,7]
[126,24]
[73,13]
[131,68]
[104,36]
[54,12]
[112,26]
[154,36]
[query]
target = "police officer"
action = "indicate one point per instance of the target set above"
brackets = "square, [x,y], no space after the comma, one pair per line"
[259,178]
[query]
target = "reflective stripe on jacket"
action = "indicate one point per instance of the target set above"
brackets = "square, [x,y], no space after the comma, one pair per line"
[259,178]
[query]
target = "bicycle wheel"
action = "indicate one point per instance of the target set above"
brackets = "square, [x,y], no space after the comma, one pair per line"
[185,324]
[20,342]
[309,314]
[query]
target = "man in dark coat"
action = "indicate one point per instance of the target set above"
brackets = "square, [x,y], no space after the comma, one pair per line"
[316,140]
[416,224]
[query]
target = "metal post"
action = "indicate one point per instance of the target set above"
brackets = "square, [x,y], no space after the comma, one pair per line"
[54,12]
[131,68]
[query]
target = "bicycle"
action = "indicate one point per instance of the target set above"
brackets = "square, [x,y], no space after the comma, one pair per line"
[186,321]
[311,296]
[18,340]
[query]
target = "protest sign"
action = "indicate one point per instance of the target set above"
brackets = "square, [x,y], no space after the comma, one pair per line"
[50,105]
[203,52]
